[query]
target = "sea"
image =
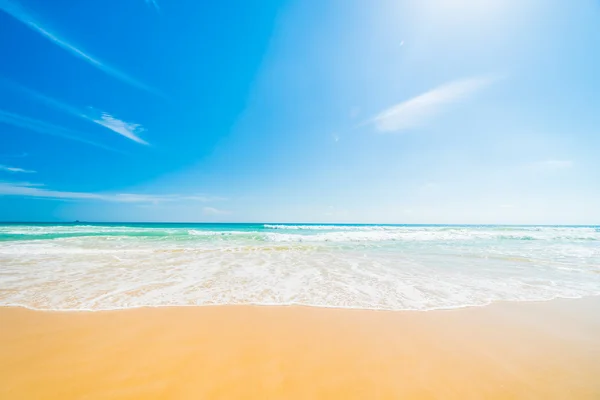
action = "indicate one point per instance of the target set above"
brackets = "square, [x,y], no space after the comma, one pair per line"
[88,267]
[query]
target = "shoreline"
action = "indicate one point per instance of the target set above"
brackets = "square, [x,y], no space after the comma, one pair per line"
[493,303]
[548,349]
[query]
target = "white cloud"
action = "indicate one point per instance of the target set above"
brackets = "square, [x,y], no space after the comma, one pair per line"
[550,165]
[158,198]
[205,199]
[27,189]
[129,130]
[15,169]
[46,128]
[214,211]
[18,12]
[24,184]
[21,155]
[419,110]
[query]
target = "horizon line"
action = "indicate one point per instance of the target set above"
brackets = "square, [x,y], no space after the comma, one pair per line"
[295,223]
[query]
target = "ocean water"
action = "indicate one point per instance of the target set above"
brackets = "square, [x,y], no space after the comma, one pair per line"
[388,267]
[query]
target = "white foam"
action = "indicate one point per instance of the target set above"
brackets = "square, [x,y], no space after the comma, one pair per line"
[366,235]
[333,227]
[392,269]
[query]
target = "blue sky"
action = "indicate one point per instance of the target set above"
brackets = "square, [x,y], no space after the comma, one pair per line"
[436,111]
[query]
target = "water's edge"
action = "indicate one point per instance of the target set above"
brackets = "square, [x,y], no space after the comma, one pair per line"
[377,267]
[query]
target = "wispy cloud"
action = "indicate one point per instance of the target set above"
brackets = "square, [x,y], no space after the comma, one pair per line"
[129,130]
[419,110]
[205,199]
[27,189]
[47,128]
[158,198]
[23,184]
[550,165]
[153,3]
[214,211]
[15,169]
[20,13]
[21,155]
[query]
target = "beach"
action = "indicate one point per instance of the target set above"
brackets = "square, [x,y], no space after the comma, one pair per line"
[299,200]
[527,350]
[264,311]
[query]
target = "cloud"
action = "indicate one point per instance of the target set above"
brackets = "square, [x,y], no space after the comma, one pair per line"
[46,128]
[153,3]
[129,130]
[419,110]
[158,198]
[23,184]
[18,12]
[15,169]
[206,199]
[21,155]
[27,189]
[550,165]
[214,211]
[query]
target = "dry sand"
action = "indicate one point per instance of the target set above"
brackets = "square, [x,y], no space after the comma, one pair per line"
[548,350]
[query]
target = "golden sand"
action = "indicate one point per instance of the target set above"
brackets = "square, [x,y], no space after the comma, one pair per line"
[503,351]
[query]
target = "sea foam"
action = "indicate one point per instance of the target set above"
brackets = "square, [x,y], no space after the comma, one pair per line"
[101,267]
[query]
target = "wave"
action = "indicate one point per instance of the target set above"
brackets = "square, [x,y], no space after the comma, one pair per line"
[304,233]
[333,227]
[428,235]
[113,279]
[391,267]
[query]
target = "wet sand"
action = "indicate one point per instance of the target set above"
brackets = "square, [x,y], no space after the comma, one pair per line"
[547,350]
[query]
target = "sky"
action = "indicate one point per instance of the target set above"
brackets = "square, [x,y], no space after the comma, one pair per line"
[349,111]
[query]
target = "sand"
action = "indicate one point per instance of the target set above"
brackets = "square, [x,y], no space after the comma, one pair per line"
[547,350]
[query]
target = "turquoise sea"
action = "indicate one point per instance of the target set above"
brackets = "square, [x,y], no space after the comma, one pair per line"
[393,267]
